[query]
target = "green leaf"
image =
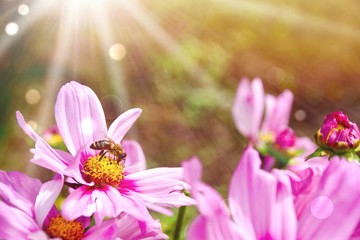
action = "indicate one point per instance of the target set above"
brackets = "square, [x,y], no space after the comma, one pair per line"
[320,152]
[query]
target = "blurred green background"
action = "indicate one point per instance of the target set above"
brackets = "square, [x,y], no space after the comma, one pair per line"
[180,61]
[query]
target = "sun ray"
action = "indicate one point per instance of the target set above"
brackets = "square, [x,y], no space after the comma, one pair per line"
[55,75]
[107,39]
[166,41]
[38,10]
[290,16]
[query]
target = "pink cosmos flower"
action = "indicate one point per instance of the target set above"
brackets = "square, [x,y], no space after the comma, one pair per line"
[103,186]
[272,205]
[28,212]
[264,120]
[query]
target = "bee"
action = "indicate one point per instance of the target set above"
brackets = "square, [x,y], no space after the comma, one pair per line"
[109,146]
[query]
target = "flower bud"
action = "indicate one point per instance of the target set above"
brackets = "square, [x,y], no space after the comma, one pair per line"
[337,133]
[285,139]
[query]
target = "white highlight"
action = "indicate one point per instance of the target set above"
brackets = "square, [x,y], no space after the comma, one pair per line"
[117,51]
[23,9]
[86,126]
[321,207]
[11,28]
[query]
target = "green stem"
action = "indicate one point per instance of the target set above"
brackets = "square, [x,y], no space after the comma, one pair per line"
[179,222]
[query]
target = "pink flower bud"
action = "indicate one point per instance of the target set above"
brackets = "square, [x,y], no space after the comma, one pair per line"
[285,139]
[337,133]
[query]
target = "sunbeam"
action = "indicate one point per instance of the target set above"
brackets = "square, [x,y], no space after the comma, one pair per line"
[107,39]
[167,42]
[38,10]
[289,16]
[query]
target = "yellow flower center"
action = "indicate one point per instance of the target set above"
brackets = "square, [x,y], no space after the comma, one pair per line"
[66,230]
[104,171]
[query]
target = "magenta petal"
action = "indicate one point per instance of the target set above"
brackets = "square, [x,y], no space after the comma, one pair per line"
[45,200]
[107,202]
[131,228]
[335,199]
[215,222]
[85,201]
[198,229]
[278,110]
[78,203]
[192,171]
[15,224]
[45,155]
[21,197]
[248,107]
[283,223]
[213,229]
[107,230]
[135,160]
[158,180]
[135,206]
[260,202]
[79,116]
[123,123]
[159,188]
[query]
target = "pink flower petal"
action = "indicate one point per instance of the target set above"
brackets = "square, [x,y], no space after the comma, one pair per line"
[135,160]
[38,235]
[123,123]
[107,230]
[135,206]
[215,222]
[21,197]
[45,200]
[131,228]
[192,171]
[248,107]
[159,188]
[79,116]
[78,203]
[102,202]
[330,203]
[258,200]
[283,223]
[15,224]
[198,229]
[277,114]
[45,155]
[213,229]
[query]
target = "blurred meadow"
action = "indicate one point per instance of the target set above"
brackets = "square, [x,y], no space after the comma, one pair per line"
[180,61]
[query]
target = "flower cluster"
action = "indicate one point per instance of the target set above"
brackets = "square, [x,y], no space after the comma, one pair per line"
[284,186]
[110,192]
[278,190]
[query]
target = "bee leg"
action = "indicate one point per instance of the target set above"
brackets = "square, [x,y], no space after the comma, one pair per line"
[102,154]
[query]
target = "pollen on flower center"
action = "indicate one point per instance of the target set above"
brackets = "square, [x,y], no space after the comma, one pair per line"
[66,230]
[104,171]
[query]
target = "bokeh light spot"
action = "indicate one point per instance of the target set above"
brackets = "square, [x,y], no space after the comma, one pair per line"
[11,28]
[23,9]
[32,96]
[300,115]
[321,207]
[117,51]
